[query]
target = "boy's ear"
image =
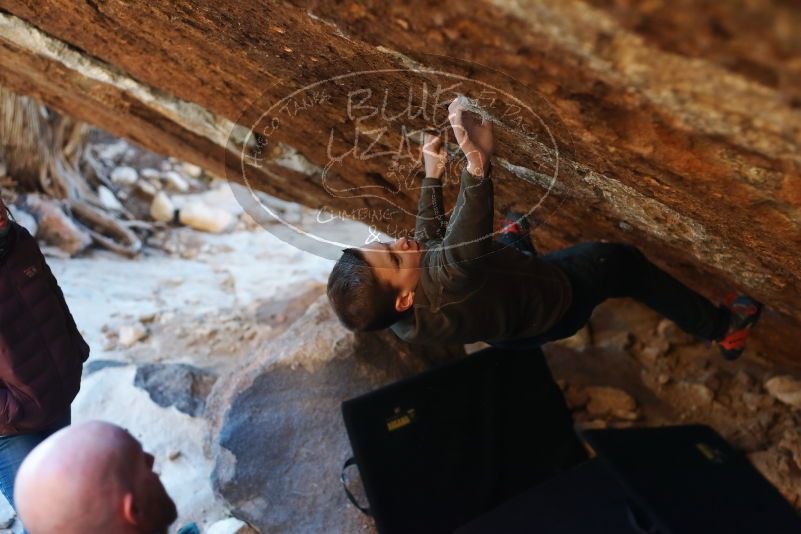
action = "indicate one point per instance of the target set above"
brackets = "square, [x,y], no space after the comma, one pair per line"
[404,301]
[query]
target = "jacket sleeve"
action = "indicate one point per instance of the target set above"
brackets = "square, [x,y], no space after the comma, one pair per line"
[10,408]
[84,347]
[430,211]
[469,233]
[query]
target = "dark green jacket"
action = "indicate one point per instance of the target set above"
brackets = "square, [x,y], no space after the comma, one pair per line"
[472,288]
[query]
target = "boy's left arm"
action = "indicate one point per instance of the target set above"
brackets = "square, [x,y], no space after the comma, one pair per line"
[469,235]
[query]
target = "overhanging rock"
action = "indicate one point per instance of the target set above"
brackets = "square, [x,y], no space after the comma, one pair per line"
[676,127]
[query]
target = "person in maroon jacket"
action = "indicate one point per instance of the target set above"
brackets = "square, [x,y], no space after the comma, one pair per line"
[41,351]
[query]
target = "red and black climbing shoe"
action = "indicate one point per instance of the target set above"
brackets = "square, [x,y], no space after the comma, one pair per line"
[515,231]
[745,313]
[515,223]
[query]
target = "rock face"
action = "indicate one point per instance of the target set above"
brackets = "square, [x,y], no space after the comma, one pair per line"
[664,125]
[281,442]
[184,386]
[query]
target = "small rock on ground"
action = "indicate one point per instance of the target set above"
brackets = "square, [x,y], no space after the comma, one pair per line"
[231,525]
[124,175]
[611,401]
[130,334]
[786,389]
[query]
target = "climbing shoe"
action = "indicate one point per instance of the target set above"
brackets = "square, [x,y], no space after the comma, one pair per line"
[515,230]
[515,223]
[745,312]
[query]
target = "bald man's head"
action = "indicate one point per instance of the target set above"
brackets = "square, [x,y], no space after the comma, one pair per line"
[91,477]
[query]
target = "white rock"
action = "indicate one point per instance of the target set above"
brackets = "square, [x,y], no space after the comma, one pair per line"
[205,218]
[162,208]
[151,174]
[147,188]
[786,389]
[176,182]
[611,401]
[24,219]
[129,334]
[231,525]
[191,170]
[108,199]
[221,195]
[124,175]
[113,151]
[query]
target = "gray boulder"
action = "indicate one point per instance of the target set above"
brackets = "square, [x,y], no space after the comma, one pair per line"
[176,384]
[280,442]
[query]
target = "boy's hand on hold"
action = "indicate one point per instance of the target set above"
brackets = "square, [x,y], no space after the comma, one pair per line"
[434,156]
[474,135]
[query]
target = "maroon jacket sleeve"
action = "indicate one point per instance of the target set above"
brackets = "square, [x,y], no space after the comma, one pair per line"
[10,408]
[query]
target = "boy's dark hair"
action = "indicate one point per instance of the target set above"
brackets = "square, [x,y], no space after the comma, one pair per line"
[359,299]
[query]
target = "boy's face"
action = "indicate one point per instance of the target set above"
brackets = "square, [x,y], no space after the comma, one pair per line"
[396,264]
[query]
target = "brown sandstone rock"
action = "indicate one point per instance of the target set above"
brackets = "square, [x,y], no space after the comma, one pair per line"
[786,389]
[611,401]
[674,131]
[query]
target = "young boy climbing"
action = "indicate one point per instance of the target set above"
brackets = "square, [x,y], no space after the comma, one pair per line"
[455,284]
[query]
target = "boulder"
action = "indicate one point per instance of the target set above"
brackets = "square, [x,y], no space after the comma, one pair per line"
[150,174]
[124,176]
[279,441]
[176,384]
[611,402]
[162,208]
[94,366]
[108,199]
[191,170]
[176,182]
[786,389]
[129,334]
[206,218]
[54,226]
[146,188]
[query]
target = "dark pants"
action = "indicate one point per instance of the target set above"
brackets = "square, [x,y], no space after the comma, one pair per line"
[600,271]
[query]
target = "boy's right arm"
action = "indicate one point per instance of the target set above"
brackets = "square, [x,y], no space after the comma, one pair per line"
[430,223]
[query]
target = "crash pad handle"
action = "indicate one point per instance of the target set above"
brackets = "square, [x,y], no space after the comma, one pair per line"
[349,462]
